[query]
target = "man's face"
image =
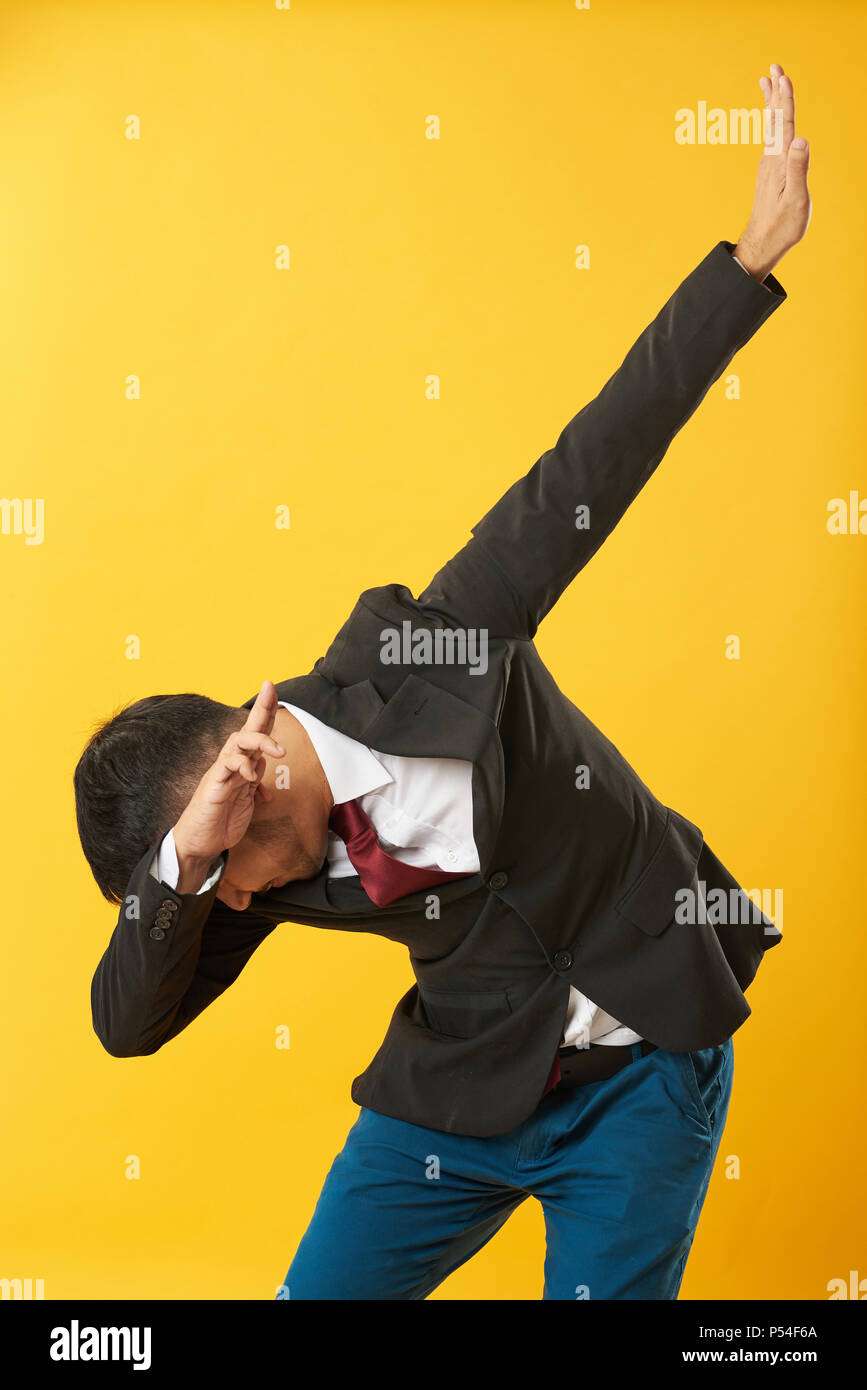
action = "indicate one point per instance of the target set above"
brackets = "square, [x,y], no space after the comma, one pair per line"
[278,851]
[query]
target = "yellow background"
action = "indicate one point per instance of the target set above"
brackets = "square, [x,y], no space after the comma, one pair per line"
[305,387]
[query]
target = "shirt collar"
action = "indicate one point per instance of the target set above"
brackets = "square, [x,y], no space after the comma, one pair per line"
[350,767]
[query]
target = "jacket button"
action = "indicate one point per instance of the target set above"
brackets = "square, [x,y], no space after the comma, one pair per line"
[498,880]
[562,960]
[168,906]
[156,933]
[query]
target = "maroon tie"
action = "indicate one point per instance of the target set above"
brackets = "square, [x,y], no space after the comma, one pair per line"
[383,877]
[554,1075]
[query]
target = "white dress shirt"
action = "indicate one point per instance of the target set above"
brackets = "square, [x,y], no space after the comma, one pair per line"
[422,812]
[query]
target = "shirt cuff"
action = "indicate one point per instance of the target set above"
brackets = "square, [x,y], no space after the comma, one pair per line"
[166,870]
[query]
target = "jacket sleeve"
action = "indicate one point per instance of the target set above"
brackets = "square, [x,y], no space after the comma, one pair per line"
[170,955]
[532,543]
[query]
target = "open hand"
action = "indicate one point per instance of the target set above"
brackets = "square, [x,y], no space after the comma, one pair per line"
[781,208]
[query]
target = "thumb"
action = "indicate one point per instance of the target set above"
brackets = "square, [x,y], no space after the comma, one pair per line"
[797,163]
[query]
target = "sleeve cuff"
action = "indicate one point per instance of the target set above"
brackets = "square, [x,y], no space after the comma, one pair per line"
[769,283]
[166,870]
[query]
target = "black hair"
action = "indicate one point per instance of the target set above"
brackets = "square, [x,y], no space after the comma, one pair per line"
[137,774]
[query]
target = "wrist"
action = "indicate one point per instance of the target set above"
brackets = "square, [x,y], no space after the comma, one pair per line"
[192,868]
[191,876]
[755,258]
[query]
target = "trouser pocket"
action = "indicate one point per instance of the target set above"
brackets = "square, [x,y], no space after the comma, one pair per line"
[707,1075]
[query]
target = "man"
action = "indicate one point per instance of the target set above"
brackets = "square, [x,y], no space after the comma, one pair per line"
[580,954]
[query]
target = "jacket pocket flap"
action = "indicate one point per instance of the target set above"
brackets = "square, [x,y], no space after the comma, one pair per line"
[651,902]
[457,1014]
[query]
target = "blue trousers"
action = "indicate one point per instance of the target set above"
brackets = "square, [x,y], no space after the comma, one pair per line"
[621,1168]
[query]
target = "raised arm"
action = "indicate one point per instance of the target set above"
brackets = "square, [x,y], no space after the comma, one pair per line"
[529,547]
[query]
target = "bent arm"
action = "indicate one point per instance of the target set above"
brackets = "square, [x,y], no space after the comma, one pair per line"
[169,957]
[527,549]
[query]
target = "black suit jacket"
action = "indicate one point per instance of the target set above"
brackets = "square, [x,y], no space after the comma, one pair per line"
[576,886]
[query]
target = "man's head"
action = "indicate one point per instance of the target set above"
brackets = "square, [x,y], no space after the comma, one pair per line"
[139,771]
[137,774]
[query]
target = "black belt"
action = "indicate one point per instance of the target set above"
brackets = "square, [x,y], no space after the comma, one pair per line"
[580,1065]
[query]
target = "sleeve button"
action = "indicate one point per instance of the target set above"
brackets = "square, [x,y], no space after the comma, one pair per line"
[156,933]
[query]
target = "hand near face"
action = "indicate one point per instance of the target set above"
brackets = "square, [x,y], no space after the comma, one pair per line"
[221,808]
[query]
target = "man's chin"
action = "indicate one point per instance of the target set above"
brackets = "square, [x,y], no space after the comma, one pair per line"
[309,869]
[315,867]
[317,862]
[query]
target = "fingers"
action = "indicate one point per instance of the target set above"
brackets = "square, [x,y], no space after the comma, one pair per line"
[243,754]
[776,142]
[261,716]
[229,764]
[250,742]
[779,93]
[787,106]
